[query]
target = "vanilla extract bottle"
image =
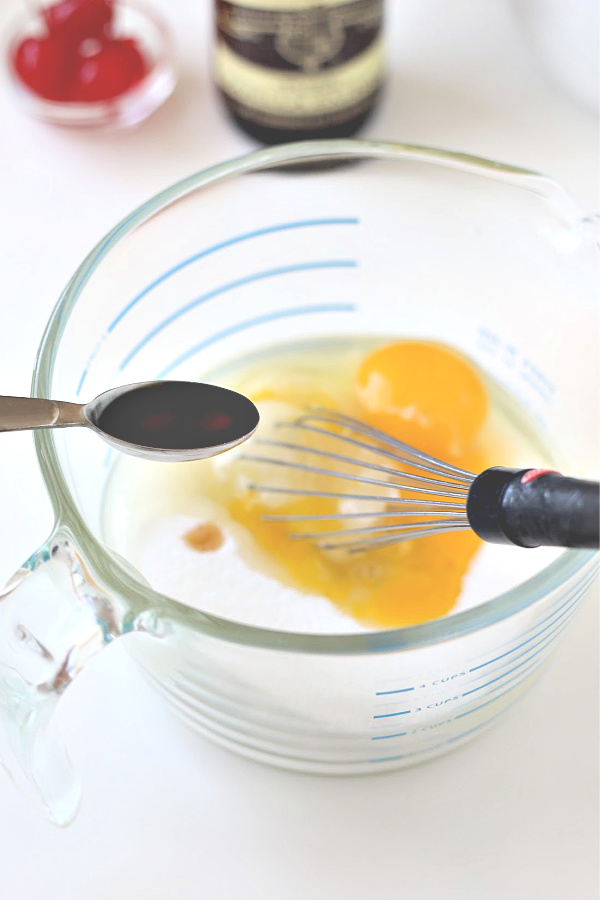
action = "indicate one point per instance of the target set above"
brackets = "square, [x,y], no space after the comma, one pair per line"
[295,69]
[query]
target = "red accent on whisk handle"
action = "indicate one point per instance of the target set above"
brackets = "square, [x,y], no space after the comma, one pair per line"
[534,508]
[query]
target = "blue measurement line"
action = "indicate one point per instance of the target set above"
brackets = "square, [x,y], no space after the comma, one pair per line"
[238,239]
[383,737]
[549,638]
[91,359]
[561,603]
[524,668]
[404,712]
[380,759]
[435,747]
[554,633]
[459,737]
[552,628]
[514,669]
[230,286]
[260,232]
[526,671]
[498,696]
[398,691]
[556,608]
[393,758]
[251,323]
[586,580]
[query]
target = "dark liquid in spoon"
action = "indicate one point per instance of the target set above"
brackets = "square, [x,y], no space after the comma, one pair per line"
[179,415]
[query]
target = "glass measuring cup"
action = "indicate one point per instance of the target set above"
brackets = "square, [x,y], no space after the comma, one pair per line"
[414,241]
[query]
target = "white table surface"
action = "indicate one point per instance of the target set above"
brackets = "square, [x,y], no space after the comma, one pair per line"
[511,816]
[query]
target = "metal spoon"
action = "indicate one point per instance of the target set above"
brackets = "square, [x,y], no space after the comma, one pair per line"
[173,421]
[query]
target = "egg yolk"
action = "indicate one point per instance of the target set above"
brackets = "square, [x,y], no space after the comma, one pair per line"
[402,584]
[424,394]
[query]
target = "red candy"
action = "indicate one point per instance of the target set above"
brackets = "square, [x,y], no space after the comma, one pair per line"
[114,69]
[77,20]
[42,64]
[79,60]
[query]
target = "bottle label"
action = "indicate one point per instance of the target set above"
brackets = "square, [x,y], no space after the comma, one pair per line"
[298,66]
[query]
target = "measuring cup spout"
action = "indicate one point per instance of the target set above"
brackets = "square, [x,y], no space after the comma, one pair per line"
[53,619]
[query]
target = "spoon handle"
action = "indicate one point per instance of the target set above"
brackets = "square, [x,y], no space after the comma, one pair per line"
[23,413]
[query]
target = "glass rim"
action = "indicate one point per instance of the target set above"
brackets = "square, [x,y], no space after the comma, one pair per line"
[115,576]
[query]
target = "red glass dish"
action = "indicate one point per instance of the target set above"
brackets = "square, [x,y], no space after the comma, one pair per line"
[138,54]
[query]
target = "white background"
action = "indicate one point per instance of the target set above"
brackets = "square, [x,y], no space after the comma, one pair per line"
[166,814]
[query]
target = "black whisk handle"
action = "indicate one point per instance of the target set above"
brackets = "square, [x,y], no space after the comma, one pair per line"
[534,508]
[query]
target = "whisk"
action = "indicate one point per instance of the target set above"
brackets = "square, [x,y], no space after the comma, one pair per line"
[525,507]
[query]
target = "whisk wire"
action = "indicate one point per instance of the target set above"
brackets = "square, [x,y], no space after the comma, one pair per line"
[523,507]
[380,529]
[315,470]
[379,542]
[444,487]
[271,489]
[450,511]
[336,419]
[364,464]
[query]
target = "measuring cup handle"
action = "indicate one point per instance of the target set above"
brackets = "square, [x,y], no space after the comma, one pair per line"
[53,619]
